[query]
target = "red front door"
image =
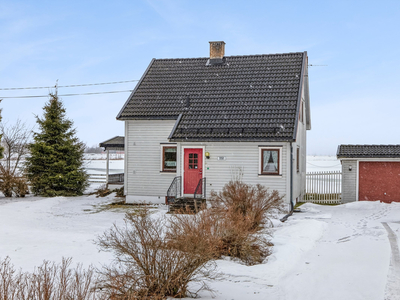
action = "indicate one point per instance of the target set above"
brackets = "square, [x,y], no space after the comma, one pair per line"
[193,169]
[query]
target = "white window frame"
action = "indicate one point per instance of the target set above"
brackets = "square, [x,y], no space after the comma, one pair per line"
[162,157]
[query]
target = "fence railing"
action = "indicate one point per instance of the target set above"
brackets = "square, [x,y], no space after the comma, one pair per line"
[323,187]
[102,178]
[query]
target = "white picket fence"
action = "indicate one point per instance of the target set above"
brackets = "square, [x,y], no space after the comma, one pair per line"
[323,187]
[102,178]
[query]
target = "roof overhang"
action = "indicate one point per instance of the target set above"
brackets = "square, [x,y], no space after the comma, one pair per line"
[115,143]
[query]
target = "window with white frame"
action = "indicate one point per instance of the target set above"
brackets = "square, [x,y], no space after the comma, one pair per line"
[270,161]
[168,158]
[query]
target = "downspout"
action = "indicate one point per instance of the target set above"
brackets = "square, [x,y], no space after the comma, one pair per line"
[291,186]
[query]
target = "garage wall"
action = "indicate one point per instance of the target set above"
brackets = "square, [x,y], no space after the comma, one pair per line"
[349,181]
[379,180]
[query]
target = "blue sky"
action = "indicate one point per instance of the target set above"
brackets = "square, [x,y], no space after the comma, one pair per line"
[355,98]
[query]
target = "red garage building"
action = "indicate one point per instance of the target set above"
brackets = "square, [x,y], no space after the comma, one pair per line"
[370,172]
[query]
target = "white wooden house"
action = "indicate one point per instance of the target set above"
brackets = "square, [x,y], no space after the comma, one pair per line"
[198,122]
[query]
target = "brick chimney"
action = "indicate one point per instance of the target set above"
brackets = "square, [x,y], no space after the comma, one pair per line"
[217,52]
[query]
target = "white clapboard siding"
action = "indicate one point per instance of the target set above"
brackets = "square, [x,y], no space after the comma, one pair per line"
[143,144]
[349,181]
[240,157]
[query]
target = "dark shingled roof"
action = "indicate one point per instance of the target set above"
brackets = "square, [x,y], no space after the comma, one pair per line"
[252,97]
[115,143]
[368,151]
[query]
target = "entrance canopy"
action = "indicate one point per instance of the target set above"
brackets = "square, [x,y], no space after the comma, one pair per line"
[115,143]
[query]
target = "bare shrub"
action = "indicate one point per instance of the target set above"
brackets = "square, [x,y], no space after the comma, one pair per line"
[120,192]
[252,202]
[6,183]
[216,233]
[14,140]
[49,281]
[20,187]
[146,266]
[239,238]
[102,191]
[196,233]
[231,227]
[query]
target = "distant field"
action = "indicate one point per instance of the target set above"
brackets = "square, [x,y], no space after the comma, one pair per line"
[323,164]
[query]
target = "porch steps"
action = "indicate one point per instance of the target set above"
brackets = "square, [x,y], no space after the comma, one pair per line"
[184,204]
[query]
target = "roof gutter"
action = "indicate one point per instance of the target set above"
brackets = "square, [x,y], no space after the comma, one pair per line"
[307,96]
[134,90]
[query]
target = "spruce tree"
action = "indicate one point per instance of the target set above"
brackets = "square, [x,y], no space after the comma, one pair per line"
[55,164]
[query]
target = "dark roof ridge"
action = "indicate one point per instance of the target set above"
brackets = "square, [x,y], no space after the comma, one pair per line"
[231,56]
[368,151]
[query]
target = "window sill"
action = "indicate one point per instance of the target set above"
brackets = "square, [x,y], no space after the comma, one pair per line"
[270,175]
[167,172]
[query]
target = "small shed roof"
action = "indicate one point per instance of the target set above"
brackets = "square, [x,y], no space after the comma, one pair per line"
[368,151]
[115,143]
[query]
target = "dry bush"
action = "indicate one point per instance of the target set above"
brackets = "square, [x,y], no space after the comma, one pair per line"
[11,185]
[6,183]
[47,282]
[120,192]
[146,266]
[196,233]
[240,239]
[216,233]
[231,228]
[14,140]
[252,202]
[20,187]
[102,191]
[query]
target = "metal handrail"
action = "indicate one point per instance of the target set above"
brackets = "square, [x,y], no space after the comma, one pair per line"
[200,189]
[174,190]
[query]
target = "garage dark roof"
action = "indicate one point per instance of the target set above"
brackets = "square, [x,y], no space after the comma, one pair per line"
[368,151]
[115,143]
[252,97]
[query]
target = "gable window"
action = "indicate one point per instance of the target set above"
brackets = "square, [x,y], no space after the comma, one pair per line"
[270,161]
[169,159]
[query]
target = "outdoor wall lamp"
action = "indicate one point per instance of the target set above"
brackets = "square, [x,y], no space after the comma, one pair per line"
[207,155]
[350,168]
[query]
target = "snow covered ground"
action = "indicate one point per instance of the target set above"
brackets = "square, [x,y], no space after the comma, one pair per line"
[325,252]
